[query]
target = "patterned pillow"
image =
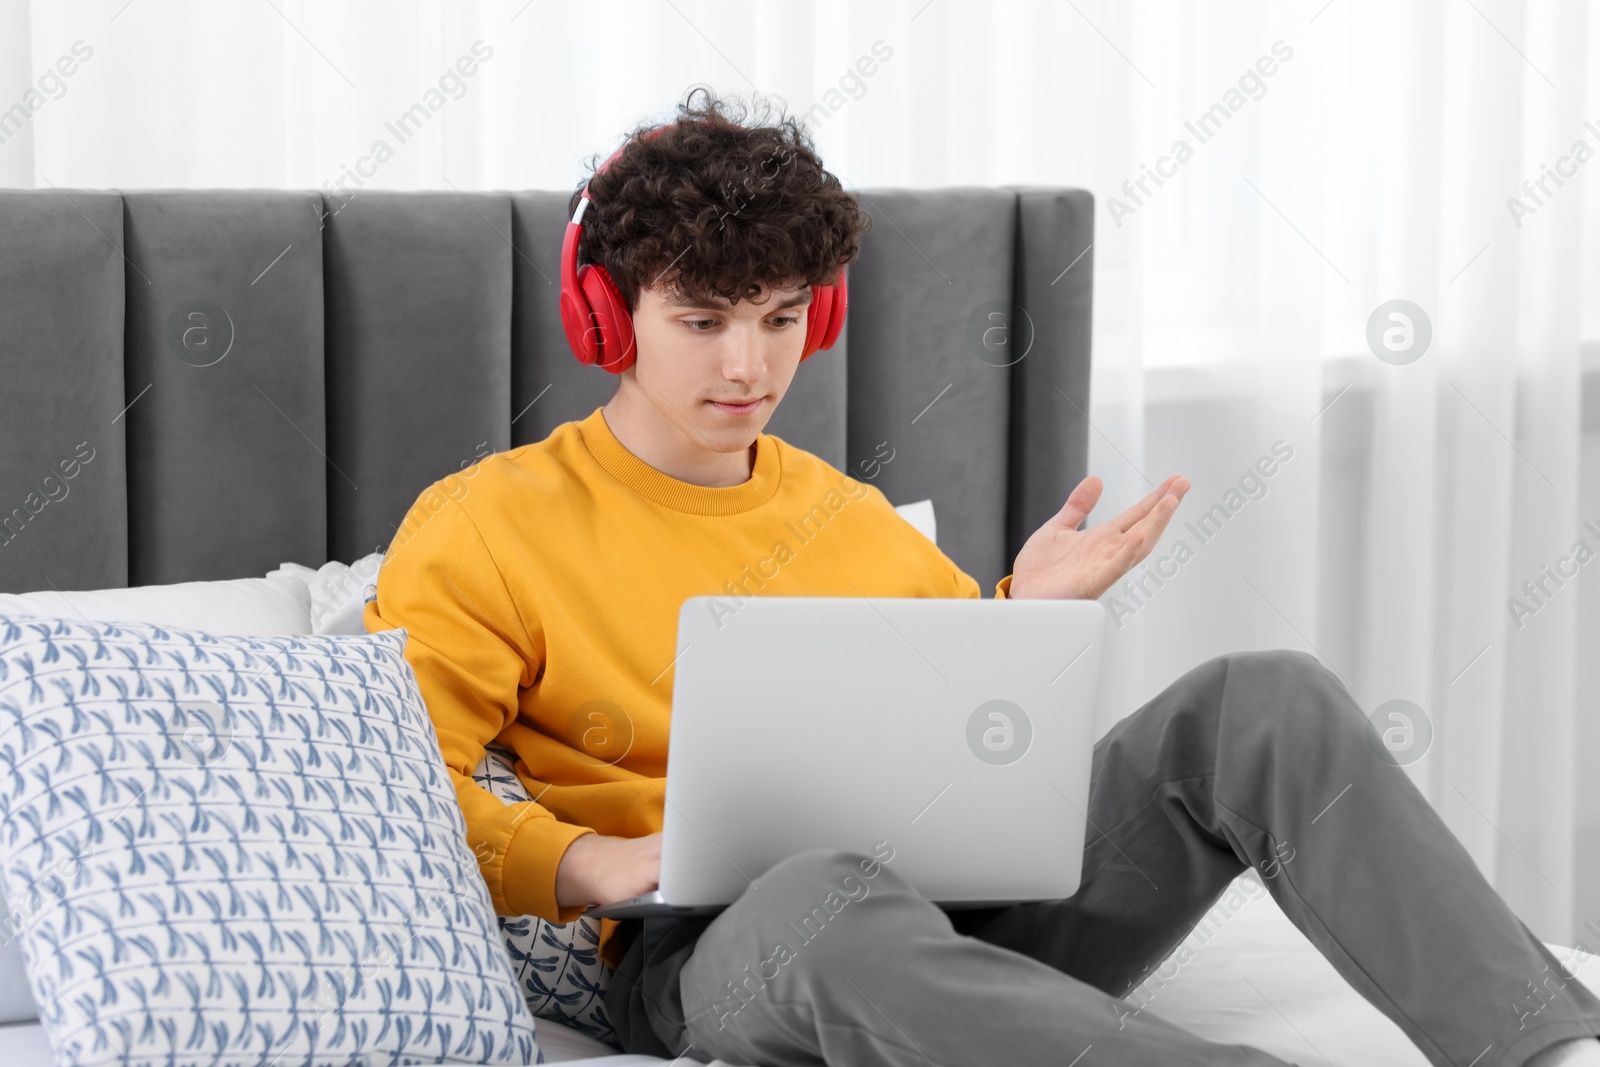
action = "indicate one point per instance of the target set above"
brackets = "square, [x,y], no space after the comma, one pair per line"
[563,977]
[241,850]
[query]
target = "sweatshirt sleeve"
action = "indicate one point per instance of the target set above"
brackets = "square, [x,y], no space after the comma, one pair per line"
[471,652]
[967,586]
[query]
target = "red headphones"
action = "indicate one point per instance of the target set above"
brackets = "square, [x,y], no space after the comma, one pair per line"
[595,316]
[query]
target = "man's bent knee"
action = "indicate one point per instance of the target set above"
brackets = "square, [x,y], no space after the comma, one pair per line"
[1287,689]
[1291,661]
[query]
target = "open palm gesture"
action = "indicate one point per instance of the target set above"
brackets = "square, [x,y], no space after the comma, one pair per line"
[1063,562]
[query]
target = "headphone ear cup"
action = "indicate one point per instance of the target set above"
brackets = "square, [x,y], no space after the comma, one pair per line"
[612,340]
[825,318]
[841,304]
[818,315]
[577,321]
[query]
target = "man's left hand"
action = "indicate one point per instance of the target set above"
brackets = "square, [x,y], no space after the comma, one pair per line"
[1063,562]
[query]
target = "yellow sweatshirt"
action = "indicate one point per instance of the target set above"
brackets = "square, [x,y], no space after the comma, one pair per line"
[540,591]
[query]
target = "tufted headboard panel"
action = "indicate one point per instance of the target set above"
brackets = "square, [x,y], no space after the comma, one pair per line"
[205,384]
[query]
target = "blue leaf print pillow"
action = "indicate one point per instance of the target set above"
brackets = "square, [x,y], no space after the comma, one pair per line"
[241,850]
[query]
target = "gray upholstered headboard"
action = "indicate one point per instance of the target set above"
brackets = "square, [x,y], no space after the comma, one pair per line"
[205,384]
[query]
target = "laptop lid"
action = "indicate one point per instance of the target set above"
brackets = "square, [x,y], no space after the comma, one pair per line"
[955,734]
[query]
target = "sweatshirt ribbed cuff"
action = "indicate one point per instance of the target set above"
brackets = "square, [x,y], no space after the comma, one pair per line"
[1002,589]
[528,873]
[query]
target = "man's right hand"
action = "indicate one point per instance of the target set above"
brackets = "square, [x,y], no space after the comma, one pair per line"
[597,869]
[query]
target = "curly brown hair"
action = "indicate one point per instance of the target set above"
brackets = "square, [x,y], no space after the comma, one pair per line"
[729,207]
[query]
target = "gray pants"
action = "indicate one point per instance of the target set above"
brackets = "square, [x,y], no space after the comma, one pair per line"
[1256,759]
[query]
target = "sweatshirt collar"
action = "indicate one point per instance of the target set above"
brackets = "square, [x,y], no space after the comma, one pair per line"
[670,492]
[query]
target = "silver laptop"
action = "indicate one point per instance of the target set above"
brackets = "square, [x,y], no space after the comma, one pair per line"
[953,735]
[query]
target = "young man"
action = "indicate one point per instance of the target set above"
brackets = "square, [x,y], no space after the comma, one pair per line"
[541,595]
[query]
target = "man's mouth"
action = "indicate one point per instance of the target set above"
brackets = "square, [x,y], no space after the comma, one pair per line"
[735,408]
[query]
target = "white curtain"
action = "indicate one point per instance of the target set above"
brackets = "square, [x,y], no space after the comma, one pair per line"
[1335,155]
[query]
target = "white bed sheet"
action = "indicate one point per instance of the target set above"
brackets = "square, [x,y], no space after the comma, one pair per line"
[1249,978]
[1253,979]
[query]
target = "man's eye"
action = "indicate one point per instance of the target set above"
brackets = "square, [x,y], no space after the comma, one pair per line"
[705,325]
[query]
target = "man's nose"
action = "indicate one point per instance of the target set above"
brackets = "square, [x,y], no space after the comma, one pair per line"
[745,355]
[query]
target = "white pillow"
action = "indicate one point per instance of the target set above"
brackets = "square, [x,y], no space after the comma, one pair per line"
[920,515]
[339,591]
[242,850]
[243,607]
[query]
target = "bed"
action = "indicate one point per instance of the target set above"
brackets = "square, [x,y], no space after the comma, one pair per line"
[1253,979]
[272,376]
